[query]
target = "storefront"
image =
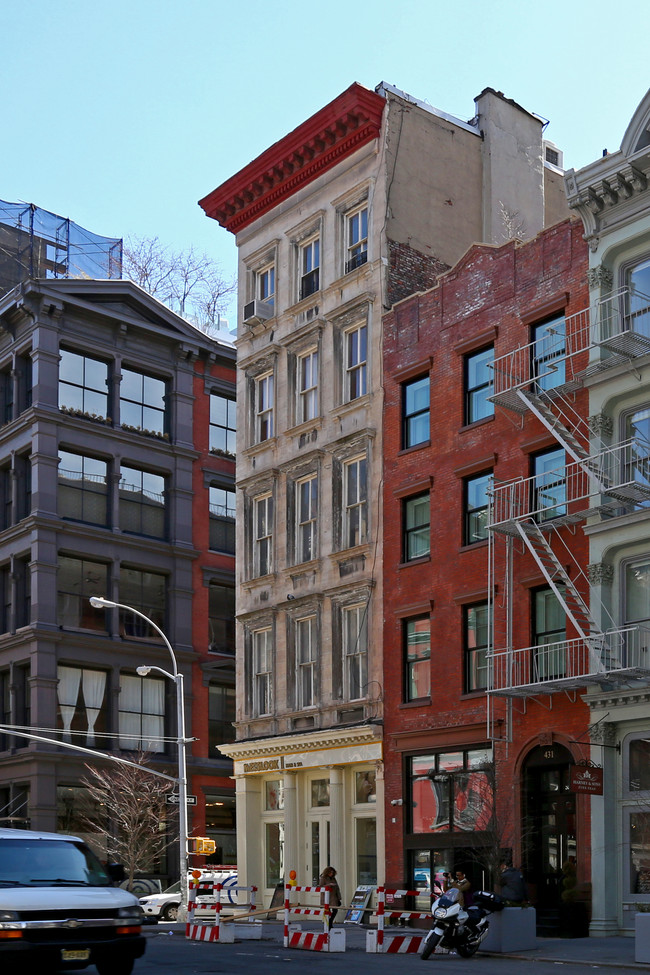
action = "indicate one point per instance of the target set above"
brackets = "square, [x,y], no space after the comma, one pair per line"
[304,802]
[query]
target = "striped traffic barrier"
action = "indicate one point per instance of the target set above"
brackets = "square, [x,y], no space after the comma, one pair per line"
[310,940]
[217,930]
[402,943]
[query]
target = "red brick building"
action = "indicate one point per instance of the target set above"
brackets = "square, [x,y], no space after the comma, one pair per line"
[213,625]
[460,740]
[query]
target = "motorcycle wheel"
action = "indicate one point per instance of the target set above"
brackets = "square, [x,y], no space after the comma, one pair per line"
[430,946]
[468,949]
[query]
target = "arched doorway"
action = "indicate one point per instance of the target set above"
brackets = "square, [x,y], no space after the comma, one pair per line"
[549,828]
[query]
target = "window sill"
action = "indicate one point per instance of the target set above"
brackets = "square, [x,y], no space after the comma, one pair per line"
[421,561]
[471,546]
[476,423]
[418,702]
[258,448]
[415,446]
[354,404]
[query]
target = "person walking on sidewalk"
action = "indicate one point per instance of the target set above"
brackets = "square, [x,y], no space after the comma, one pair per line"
[328,879]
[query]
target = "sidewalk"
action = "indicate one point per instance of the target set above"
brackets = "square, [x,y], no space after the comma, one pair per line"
[613,952]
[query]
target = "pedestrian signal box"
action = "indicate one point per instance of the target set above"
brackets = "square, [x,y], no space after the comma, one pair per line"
[200,845]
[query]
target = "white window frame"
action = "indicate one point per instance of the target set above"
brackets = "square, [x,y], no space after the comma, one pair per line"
[263,529]
[264,407]
[309,271]
[355,650]
[305,662]
[262,672]
[306,518]
[307,368]
[355,361]
[356,242]
[355,501]
[265,283]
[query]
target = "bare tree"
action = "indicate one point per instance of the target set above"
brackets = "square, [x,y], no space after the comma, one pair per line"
[188,282]
[136,810]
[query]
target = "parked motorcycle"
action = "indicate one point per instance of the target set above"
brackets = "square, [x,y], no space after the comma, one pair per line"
[457,928]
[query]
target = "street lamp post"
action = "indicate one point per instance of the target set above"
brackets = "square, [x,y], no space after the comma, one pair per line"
[99,602]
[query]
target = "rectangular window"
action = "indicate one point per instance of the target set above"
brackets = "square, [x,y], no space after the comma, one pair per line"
[262,673]
[638,310]
[476,503]
[357,239]
[417,536]
[221,619]
[23,475]
[305,662]
[478,385]
[222,520]
[415,412]
[476,637]
[355,651]
[549,635]
[146,592]
[549,486]
[142,713]
[637,592]
[221,714]
[143,402]
[356,356]
[23,591]
[264,402]
[308,386]
[309,268]
[366,846]
[7,600]
[77,581]
[142,502]
[6,498]
[83,384]
[355,513]
[417,658]
[451,792]
[6,396]
[263,555]
[83,488]
[81,694]
[223,424]
[265,284]
[307,518]
[549,350]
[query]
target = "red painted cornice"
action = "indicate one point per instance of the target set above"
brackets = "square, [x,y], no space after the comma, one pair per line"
[348,122]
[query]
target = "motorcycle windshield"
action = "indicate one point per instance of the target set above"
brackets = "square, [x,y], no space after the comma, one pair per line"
[449,898]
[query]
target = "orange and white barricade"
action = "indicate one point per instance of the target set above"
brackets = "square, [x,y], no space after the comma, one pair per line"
[311,940]
[397,943]
[220,930]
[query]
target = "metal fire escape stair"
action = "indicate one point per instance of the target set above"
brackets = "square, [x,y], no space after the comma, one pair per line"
[569,598]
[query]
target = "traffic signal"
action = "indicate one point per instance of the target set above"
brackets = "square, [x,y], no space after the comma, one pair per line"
[200,845]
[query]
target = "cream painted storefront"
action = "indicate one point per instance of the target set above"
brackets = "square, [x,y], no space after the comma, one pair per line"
[305,801]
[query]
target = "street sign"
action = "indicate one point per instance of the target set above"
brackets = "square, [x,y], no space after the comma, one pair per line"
[172,799]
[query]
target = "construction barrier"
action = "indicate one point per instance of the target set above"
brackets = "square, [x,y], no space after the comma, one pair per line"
[221,930]
[310,940]
[399,943]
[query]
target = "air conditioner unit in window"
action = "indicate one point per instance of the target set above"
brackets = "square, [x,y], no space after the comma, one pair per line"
[257,311]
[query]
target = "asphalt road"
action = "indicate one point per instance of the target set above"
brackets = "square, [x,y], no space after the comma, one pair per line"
[172,953]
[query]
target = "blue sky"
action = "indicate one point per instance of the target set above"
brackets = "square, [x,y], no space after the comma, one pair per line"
[122,115]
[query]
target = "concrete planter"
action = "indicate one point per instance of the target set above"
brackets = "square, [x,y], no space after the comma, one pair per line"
[512,929]
[642,937]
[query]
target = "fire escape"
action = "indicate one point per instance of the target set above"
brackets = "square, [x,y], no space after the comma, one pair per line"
[596,481]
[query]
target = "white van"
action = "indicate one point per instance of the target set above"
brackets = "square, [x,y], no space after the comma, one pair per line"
[60,910]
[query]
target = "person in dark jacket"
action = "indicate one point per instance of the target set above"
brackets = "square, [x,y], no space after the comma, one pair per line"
[513,885]
[328,879]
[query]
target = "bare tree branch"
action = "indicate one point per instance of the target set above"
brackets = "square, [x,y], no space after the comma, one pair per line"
[188,282]
[134,802]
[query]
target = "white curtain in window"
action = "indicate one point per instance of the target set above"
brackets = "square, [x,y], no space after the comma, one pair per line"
[68,692]
[94,683]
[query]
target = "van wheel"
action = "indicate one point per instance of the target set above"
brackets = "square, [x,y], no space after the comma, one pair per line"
[123,966]
[169,912]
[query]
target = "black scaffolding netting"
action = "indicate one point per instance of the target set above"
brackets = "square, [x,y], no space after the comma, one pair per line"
[35,243]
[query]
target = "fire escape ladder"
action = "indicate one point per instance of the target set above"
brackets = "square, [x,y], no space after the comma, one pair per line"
[569,598]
